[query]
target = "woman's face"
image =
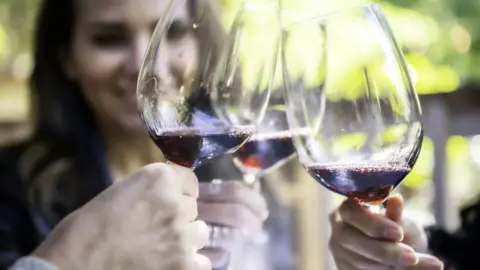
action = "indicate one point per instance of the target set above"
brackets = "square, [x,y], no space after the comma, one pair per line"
[109,41]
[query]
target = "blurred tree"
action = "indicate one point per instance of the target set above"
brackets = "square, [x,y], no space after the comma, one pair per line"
[16,22]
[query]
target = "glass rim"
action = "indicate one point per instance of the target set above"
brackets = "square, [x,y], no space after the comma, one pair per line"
[371,7]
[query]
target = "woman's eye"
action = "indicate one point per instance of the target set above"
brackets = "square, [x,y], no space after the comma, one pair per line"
[177,30]
[110,39]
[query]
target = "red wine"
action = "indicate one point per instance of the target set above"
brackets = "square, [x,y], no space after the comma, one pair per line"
[262,152]
[365,183]
[189,148]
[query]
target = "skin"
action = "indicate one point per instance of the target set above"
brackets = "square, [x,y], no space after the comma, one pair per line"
[152,238]
[363,240]
[109,40]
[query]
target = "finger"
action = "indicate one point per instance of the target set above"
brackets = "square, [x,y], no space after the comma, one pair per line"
[218,257]
[166,177]
[190,206]
[394,209]
[231,215]
[385,252]
[226,238]
[236,192]
[415,235]
[198,234]
[372,225]
[202,263]
[427,262]
[346,260]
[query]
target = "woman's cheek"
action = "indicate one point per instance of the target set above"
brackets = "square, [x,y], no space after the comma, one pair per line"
[98,64]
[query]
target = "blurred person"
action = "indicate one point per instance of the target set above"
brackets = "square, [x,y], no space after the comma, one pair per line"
[88,134]
[159,233]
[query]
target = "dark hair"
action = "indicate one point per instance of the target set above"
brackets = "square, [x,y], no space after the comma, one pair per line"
[61,112]
[62,117]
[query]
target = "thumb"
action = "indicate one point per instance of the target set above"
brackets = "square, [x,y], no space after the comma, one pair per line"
[394,209]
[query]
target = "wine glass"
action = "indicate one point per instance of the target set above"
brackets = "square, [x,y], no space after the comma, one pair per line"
[348,85]
[207,100]
[269,147]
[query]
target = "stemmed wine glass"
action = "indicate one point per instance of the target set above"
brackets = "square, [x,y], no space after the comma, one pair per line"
[269,148]
[348,85]
[206,98]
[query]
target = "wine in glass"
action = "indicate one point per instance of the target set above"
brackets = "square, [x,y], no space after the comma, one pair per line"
[269,147]
[348,85]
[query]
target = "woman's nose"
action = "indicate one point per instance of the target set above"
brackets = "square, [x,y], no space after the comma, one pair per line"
[164,68]
[135,58]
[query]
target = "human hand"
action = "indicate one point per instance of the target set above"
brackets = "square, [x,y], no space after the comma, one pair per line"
[241,208]
[363,240]
[143,222]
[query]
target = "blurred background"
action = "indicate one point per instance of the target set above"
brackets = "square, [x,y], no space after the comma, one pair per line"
[441,43]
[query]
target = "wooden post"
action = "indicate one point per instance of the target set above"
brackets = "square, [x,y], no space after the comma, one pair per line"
[436,124]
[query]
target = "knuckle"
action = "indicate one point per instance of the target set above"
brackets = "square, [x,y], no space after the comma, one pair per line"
[158,176]
[345,210]
[375,230]
[155,169]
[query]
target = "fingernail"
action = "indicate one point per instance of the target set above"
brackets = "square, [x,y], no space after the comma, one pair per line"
[408,257]
[393,234]
[433,264]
